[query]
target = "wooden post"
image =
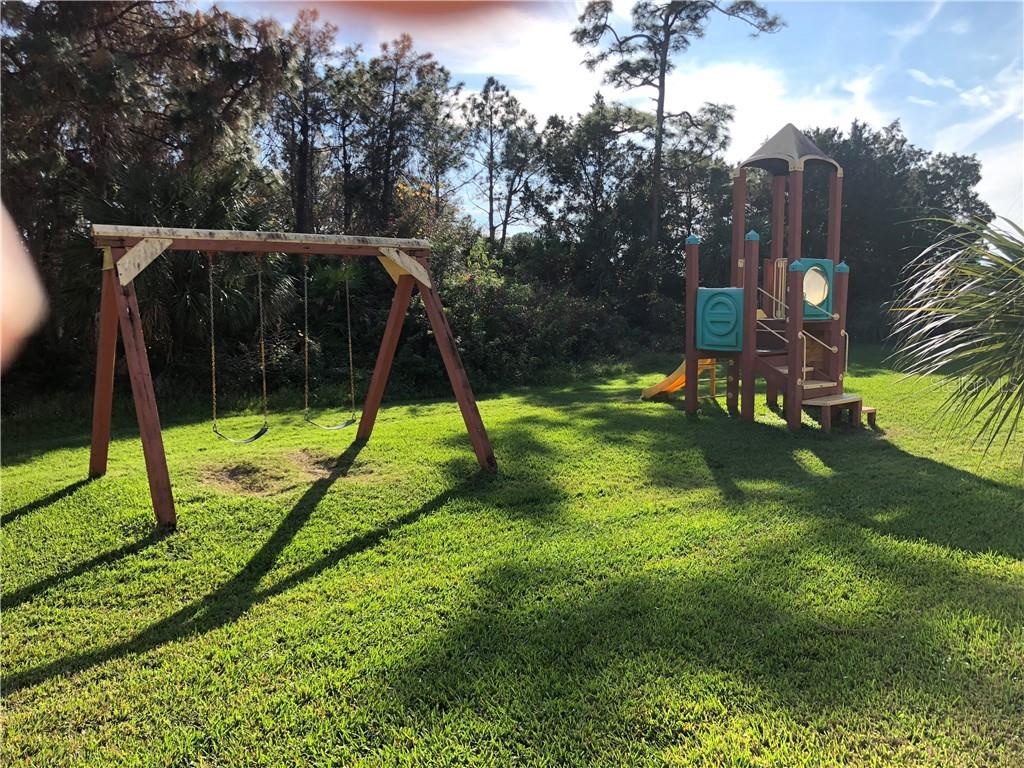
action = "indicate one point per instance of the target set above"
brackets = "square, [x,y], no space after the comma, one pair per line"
[778,218]
[385,355]
[457,375]
[692,278]
[836,326]
[826,418]
[106,357]
[796,214]
[795,300]
[739,207]
[795,346]
[839,305]
[835,215]
[145,404]
[748,352]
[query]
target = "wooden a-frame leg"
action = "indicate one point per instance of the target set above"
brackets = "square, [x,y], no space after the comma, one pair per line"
[385,356]
[106,356]
[145,405]
[459,379]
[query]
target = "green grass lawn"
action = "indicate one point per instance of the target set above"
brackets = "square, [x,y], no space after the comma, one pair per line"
[635,587]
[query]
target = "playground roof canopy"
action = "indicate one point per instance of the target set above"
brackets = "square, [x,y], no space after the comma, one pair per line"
[788,150]
[119,236]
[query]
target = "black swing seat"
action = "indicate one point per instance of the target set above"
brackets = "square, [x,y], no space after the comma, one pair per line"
[347,423]
[242,441]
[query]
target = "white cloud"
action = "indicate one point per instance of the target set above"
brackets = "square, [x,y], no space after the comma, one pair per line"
[922,102]
[1001,100]
[765,100]
[909,33]
[1002,179]
[960,27]
[932,82]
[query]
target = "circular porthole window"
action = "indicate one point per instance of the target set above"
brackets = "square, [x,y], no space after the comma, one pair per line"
[815,286]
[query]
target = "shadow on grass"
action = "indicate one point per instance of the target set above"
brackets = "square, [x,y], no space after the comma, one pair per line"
[236,596]
[45,501]
[648,659]
[859,476]
[28,592]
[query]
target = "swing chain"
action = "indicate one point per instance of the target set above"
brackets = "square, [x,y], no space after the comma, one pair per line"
[213,347]
[263,349]
[351,369]
[305,336]
[305,349]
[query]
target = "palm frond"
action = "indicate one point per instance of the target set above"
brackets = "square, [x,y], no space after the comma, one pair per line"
[960,313]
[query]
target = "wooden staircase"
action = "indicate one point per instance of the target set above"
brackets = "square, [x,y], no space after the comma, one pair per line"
[820,392]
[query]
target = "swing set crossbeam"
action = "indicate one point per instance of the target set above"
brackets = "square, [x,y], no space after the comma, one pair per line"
[128,251]
[227,241]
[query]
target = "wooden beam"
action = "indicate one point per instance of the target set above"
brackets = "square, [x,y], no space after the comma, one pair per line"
[385,356]
[407,264]
[460,381]
[145,406]
[140,256]
[106,356]
[227,241]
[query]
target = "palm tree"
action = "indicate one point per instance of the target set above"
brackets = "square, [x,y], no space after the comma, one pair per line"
[960,312]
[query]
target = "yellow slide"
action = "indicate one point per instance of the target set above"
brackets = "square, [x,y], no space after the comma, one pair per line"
[677,379]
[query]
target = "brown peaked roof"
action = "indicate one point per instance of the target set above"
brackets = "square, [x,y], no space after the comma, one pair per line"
[787,151]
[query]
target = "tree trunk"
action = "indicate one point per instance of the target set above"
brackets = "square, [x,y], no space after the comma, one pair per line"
[659,128]
[491,229]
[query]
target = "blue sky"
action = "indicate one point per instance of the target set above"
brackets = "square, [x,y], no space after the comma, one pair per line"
[951,72]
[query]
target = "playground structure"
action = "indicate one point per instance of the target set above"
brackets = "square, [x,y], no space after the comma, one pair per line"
[790,329]
[127,251]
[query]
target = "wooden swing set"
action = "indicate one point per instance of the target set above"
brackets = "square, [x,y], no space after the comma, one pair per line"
[127,251]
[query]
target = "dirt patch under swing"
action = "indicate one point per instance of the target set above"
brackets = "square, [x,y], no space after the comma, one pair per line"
[282,473]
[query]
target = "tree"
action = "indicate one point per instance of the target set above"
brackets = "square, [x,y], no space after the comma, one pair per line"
[402,84]
[505,150]
[643,57]
[589,164]
[99,94]
[302,111]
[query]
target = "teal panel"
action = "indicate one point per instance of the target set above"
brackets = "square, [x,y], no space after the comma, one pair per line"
[720,319]
[823,309]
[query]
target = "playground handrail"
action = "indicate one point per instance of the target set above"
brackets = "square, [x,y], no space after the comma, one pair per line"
[829,347]
[774,298]
[761,326]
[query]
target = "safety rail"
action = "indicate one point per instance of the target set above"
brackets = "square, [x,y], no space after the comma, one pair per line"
[776,301]
[762,327]
[846,356]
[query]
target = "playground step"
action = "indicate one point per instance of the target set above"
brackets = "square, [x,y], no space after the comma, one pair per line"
[817,384]
[784,369]
[870,413]
[828,400]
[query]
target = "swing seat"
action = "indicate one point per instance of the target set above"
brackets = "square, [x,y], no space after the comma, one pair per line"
[347,423]
[242,441]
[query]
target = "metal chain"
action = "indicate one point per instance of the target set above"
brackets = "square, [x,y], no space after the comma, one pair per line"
[213,348]
[351,370]
[263,350]
[305,335]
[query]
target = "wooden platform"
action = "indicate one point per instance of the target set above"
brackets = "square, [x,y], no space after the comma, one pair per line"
[833,400]
[829,403]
